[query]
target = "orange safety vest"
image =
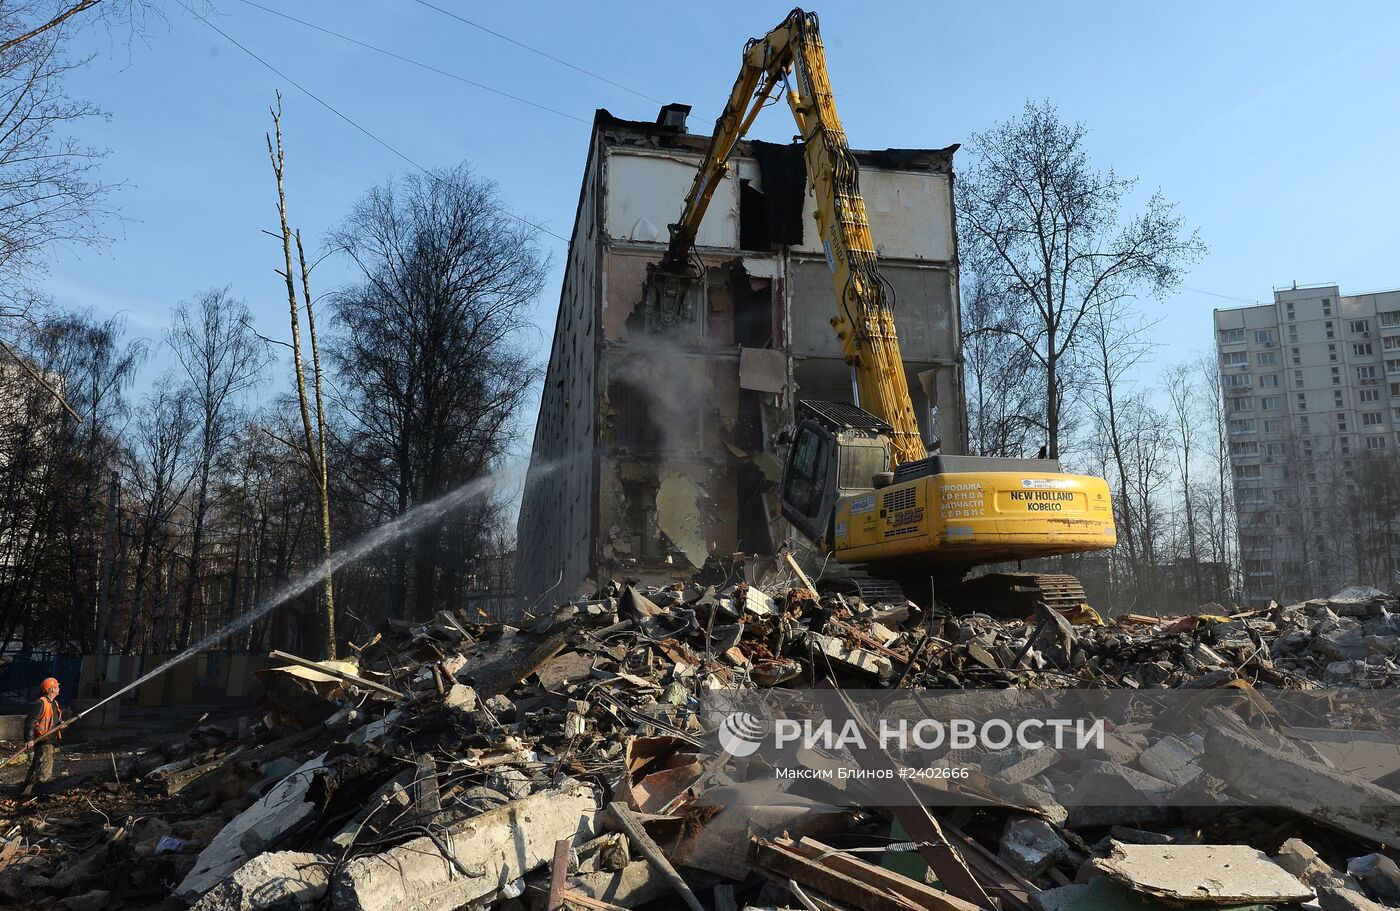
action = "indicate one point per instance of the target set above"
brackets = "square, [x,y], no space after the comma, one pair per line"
[49,717]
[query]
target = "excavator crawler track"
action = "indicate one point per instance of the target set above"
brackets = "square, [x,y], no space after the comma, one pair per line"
[999,594]
[1017,593]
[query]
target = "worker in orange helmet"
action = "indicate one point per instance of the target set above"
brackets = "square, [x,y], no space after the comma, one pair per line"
[43,719]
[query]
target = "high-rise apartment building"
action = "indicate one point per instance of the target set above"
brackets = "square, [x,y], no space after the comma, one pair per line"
[1311,387]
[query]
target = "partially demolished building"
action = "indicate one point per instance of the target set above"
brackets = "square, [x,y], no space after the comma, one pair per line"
[657,443]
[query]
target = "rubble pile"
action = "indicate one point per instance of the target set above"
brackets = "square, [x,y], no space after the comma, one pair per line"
[1350,639]
[565,762]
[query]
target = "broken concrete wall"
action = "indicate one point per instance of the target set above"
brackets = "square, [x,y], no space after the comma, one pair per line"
[662,519]
[930,341]
[910,211]
[653,399]
[558,506]
[645,191]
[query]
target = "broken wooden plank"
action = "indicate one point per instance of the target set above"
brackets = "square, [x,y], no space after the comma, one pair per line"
[500,672]
[337,673]
[920,893]
[584,901]
[783,862]
[9,852]
[1011,889]
[175,782]
[802,577]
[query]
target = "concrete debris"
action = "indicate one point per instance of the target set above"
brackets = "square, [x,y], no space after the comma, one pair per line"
[1061,898]
[679,515]
[1203,874]
[859,659]
[274,881]
[1378,873]
[562,759]
[1297,857]
[1275,777]
[473,861]
[1016,766]
[460,697]
[1335,893]
[1031,846]
[284,807]
[1171,760]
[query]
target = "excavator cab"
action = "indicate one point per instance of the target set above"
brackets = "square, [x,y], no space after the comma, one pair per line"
[837,451]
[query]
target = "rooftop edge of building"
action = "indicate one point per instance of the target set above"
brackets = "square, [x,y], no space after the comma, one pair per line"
[667,132]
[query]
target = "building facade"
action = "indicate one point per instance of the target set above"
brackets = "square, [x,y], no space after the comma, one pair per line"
[657,444]
[1311,389]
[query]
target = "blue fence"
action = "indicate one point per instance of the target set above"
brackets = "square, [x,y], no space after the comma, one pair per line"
[23,673]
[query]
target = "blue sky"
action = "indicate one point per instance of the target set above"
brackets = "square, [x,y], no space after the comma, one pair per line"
[1273,126]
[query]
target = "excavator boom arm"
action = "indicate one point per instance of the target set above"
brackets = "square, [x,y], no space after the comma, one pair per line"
[864,320]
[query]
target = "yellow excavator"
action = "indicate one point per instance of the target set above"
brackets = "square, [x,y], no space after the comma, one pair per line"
[857,480]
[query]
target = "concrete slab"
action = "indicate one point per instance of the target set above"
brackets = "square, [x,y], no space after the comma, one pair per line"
[1171,760]
[283,880]
[1203,874]
[497,848]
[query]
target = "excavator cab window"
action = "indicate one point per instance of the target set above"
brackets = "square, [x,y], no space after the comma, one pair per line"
[859,464]
[806,478]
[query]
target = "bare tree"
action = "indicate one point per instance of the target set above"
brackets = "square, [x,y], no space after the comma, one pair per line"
[1041,222]
[1182,394]
[1223,521]
[1375,506]
[222,358]
[55,474]
[28,21]
[431,356]
[157,469]
[49,190]
[1122,418]
[314,438]
[97,390]
[1005,414]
